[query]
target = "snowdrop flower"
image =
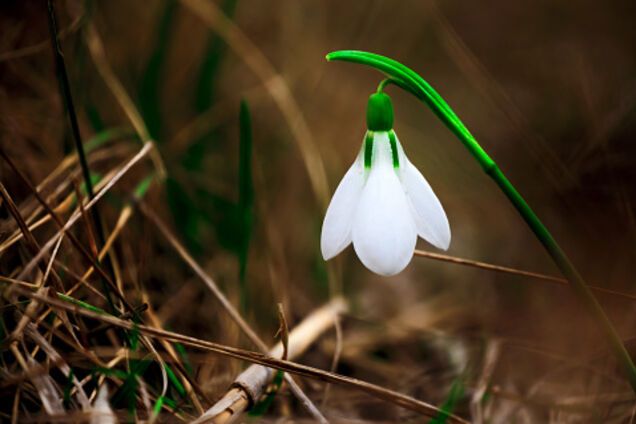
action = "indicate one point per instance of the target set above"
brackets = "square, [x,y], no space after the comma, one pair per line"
[383,202]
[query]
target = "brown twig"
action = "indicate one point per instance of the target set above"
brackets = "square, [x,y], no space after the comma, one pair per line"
[337,352]
[514,271]
[87,224]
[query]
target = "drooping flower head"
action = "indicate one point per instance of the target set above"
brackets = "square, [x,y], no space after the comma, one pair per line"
[383,202]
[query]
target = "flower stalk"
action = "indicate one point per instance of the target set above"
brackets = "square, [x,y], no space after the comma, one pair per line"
[383,203]
[410,81]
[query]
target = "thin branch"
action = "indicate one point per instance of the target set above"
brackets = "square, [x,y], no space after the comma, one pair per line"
[514,271]
[337,352]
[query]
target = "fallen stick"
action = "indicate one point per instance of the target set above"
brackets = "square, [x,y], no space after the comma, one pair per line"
[252,383]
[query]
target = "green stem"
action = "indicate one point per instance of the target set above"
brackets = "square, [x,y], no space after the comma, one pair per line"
[383,84]
[410,81]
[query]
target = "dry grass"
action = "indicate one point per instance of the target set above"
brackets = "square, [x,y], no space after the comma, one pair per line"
[163,313]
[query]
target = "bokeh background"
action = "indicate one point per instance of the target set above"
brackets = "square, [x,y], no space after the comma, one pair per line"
[548,88]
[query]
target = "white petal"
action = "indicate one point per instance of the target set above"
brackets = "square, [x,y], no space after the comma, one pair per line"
[336,227]
[384,234]
[428,213]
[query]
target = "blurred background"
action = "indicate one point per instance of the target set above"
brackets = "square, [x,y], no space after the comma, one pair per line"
[548,88]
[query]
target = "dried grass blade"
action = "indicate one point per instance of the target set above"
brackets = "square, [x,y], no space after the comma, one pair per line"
[379,392]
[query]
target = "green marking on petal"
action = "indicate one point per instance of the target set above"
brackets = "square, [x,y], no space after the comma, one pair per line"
[368,149]
[394,149]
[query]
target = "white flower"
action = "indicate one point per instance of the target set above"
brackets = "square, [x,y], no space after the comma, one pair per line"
[383,202]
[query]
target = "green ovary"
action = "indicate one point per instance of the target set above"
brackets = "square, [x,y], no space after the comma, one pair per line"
[379,112]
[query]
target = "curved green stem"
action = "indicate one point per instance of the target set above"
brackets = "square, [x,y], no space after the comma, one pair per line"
[410,81]
[383,84]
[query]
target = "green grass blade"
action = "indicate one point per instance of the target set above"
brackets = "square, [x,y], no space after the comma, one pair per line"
[133,337]
[151,82]
[185,214]
[94,117]
[157,406]
[82,304]
[209,69]
[109,372]
[449,405]
[126,394]
[109,134]
[67,389]
[246,187]
[175,381]
[184,357]
[143,187]
[192,205]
